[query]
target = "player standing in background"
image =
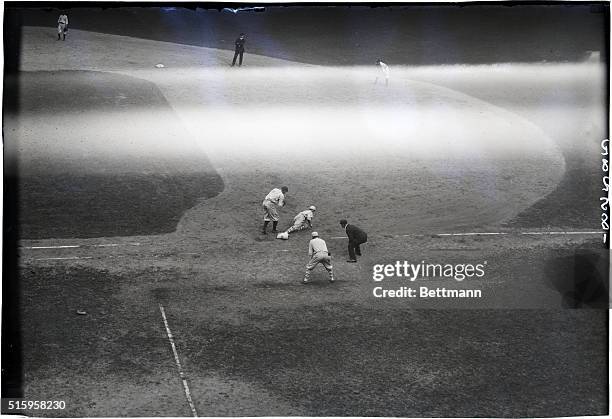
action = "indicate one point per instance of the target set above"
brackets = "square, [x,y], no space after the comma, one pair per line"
[385,70]
[62,26]
[303,220]
[274,200]
[317,250]
[356,237]
[239,49]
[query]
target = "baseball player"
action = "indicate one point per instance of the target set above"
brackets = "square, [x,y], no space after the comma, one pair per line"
[385,70]
[62,26]
[303,220]
[317,250]
[274,200]
[239,51]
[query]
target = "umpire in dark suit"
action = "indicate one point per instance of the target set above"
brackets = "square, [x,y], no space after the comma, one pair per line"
[356,237]
[239,51]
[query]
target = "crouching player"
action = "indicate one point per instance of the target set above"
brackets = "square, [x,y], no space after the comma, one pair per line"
[317,250]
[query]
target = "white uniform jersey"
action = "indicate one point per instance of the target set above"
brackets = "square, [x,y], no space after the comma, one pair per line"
[316,245]
[304,216]
[63,19]
[384,68]
[276,196]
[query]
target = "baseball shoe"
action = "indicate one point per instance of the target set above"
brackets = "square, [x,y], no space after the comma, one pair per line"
[331,280]
[351,261]
[305,281]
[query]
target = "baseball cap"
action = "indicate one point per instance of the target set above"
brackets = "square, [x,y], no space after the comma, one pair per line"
[312,207]
[314,234]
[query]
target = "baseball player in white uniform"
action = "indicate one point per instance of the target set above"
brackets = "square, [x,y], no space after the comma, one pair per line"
[62,26]
[385,70]
[274,200]
[303,220]
[317,250]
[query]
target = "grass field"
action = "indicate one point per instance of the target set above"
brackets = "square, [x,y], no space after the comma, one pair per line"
[567,103]
[92,162]
[423,156]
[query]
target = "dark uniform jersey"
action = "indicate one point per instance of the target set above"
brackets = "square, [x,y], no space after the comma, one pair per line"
[355,234]
[240,44]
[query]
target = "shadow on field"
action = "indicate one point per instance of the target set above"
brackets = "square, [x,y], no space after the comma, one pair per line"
[344,360]
[582,278]
[64,205]
[573,204]
[343,35]
[100,154]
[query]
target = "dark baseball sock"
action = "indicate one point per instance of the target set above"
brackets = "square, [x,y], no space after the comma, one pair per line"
[265,226]
[274,224]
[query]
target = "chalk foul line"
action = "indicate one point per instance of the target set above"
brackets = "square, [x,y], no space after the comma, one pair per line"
[67,258]
[501,233]
[76,246]
[51,247]
[178,364]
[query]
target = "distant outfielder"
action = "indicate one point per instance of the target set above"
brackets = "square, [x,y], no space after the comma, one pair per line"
[303,220]
[385,70]
[62,27]
[274,200]
[317,250]
[239,49]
